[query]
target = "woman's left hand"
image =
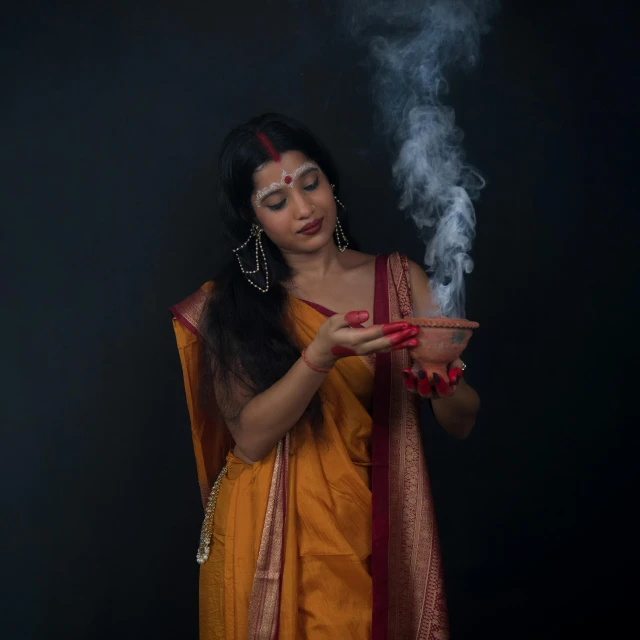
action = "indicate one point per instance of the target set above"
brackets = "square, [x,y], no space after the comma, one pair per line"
[416,381]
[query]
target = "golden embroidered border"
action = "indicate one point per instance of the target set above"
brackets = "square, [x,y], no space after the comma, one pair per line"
[417,604]
[264,603]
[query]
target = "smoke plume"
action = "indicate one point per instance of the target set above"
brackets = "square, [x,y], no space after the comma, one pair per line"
[413,44]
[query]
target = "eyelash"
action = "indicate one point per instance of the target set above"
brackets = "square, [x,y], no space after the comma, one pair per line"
[280,205]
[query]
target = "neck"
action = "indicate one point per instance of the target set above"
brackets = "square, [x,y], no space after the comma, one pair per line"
[317,265]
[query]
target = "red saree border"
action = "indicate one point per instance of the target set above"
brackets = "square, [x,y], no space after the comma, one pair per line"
[188,312]
[380,463]
[319,308]
[379,456]
[417,607]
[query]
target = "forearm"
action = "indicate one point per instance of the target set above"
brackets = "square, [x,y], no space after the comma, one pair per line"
[267,417]
[457,414]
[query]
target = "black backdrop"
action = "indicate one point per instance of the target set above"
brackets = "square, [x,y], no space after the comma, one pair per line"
[111,115]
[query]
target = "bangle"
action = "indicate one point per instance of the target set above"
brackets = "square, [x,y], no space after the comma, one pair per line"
[313,366]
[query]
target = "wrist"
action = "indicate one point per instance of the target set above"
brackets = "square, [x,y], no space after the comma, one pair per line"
[315,356]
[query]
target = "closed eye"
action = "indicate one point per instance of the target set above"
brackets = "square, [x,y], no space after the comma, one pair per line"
[313,185]
[280,205]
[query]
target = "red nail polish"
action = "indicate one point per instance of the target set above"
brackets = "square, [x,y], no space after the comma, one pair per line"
[424,388]
[356,317]
[393,327]
[441,386]
[399,336]
[454,375]
[409,379]
[405,345]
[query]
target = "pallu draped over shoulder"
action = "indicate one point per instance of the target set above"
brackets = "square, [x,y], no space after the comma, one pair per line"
[332,536]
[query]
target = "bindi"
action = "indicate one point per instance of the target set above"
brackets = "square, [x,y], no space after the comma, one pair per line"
[287,180]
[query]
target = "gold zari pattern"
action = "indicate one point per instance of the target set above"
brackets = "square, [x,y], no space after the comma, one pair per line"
[207,524]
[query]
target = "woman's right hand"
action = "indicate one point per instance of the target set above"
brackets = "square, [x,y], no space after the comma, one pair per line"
[342,335]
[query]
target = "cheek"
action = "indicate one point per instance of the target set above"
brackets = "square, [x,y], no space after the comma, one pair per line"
[277,224]
[325,200]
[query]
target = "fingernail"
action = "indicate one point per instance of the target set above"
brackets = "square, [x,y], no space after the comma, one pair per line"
[410,381]
[441,386]
[421,374]
[404,345]
[454,375]
[393,327]
[399,336]
[424,388]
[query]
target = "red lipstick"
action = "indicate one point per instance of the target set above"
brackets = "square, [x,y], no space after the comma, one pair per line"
[312,227]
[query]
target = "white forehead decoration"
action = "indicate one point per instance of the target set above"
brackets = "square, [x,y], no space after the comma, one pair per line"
[286,180]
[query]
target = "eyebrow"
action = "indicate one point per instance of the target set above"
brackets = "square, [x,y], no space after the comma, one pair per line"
[305,173]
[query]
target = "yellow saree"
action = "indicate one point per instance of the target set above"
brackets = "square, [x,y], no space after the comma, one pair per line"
[291,554]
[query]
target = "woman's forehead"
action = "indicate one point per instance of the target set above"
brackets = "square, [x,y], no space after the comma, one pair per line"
[271,171]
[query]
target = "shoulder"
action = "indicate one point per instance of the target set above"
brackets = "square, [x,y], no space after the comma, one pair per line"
[423,303]
[414,272]
[419,281]
[419,278]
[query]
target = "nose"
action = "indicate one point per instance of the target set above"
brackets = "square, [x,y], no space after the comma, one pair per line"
[303,208]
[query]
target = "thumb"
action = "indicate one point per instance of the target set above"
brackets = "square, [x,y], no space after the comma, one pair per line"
[353,319]
[455,371]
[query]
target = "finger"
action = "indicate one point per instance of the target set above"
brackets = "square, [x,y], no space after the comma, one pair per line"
[378,330]
[407,344]
[400,336]
[355,318]
[388,341]
[441,386]
[424,388]
[454,375]
[409,380]
[394,327]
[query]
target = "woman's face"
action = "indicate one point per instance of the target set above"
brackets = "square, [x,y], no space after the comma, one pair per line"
[289,195]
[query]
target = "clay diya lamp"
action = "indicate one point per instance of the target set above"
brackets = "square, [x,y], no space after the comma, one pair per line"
[440,341]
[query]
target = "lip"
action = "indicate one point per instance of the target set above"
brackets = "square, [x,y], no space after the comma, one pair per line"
[312,227]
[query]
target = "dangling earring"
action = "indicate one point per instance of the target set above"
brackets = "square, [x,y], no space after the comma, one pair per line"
[256,232]
[341,238]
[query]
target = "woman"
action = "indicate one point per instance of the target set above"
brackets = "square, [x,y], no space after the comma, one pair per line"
[319,519]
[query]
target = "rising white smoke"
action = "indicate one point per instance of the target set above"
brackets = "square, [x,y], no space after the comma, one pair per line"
[413,44]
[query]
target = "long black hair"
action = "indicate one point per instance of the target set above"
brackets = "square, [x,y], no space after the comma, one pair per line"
[248,339]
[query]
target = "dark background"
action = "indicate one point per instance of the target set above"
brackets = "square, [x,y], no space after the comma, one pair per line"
[111,116]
